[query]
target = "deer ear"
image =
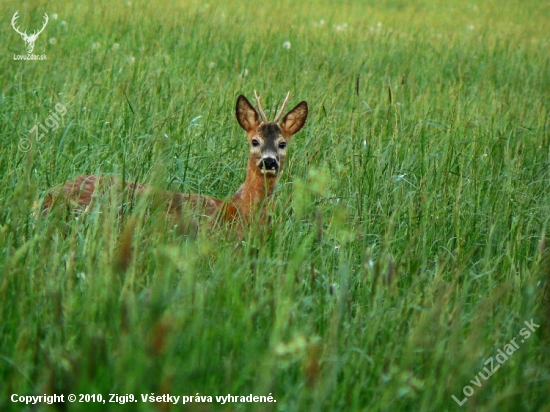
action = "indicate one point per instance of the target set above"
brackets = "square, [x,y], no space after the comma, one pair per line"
[247,116]
[295,119]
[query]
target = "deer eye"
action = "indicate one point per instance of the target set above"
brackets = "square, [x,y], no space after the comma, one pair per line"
[282,145]
[255,143]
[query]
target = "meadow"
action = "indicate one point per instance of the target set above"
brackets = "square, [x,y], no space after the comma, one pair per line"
[409,240]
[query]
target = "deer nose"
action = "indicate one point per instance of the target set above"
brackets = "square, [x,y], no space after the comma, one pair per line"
[269,163]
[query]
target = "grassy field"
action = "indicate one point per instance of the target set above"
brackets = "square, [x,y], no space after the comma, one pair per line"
[409,240]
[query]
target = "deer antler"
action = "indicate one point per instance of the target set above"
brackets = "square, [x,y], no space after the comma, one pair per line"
[46,20]
[14,18]
[282,108]
[260,107]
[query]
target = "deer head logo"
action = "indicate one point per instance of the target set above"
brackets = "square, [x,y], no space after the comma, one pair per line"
[29,39]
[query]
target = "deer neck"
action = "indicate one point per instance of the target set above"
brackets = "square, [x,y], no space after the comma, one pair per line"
[256,188]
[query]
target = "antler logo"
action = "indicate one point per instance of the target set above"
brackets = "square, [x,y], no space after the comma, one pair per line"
[29,39]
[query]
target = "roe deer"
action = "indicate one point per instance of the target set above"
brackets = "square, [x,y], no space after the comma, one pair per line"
[267,141]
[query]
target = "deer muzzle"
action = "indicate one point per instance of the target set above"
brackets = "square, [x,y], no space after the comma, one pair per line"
[269,165]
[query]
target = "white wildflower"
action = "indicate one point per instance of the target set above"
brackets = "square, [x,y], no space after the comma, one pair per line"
[341,27]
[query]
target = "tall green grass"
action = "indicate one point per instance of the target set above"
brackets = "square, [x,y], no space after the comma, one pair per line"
[409,239]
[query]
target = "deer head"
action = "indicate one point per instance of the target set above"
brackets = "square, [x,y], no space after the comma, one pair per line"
[29,39]
[268,140]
